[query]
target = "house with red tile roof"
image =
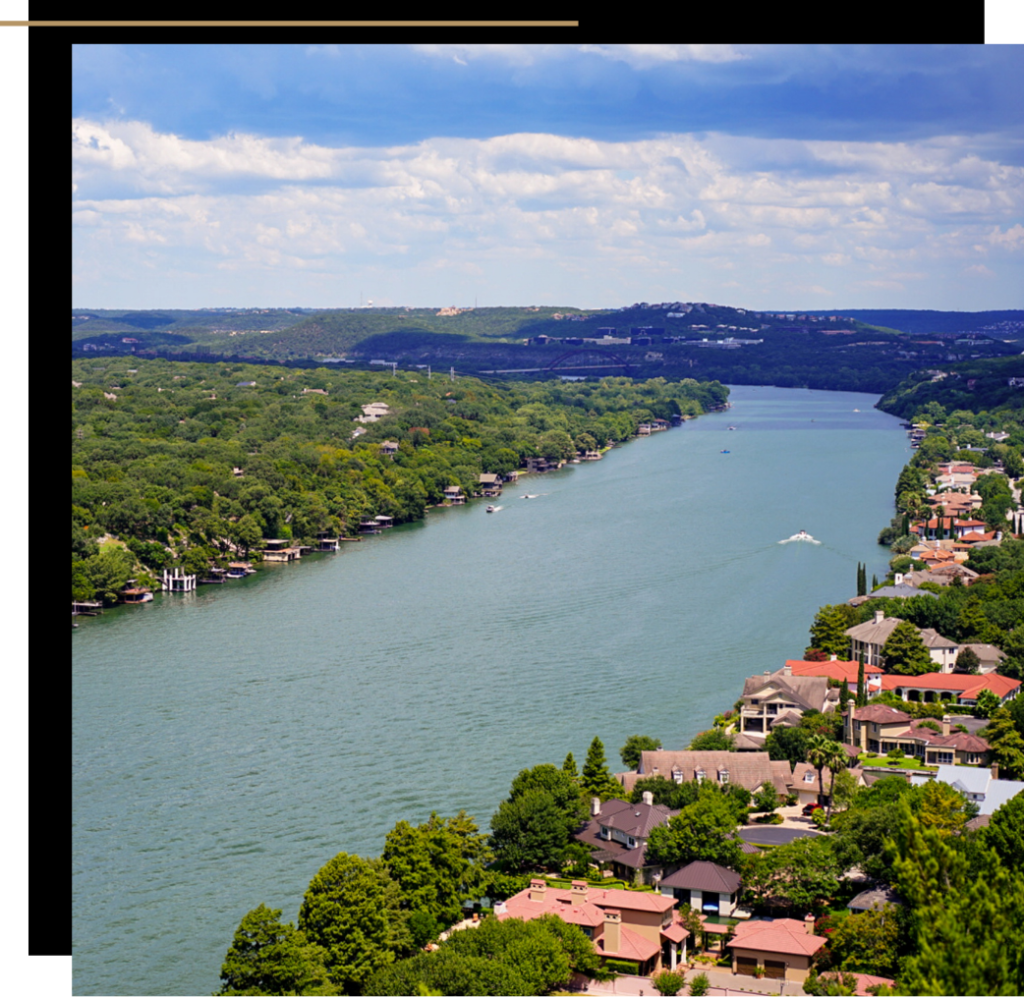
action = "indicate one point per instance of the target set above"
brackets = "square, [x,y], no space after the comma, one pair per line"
[935,687]
[782,947]
[637,927]
[842,671]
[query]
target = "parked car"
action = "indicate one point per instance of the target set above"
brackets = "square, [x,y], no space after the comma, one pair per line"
[811,807]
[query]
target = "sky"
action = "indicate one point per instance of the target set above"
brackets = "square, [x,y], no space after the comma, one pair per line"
[595,176]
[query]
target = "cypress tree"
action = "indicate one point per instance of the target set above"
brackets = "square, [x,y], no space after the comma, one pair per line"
[874,582]
[862,695]
[905,530]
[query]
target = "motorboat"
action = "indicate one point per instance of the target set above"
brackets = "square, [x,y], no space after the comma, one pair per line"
[802,535]
[490,508]
[725,451]
[527,496]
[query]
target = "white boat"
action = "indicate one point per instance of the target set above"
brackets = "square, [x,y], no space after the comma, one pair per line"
[490,508]
[527,496]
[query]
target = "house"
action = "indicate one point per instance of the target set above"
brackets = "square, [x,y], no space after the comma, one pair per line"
[618,831]
[389,448]
[883,728]
[749,769]
[942,651]
[989,656]
[899,590]
[373,412]
[705,886]
[782,947]
[641,928]
[935,687]
[453,494]
[808,789]
[980,785]
[490,485]
[768,698]
[870,637]
[842,671]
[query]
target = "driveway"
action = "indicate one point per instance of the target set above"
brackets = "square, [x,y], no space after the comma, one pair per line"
[768,834]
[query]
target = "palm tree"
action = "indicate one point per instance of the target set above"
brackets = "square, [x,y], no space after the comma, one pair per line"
[836,761]
[820,751]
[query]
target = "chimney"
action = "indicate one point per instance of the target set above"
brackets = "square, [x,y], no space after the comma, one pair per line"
[832,657]
[648,798]
[898,579]
[945,726]
[879,615]
[538,890]
[809,924]
[787,669]
[612,931]
[995,771]
[595,806]
[579,891]
[767,674]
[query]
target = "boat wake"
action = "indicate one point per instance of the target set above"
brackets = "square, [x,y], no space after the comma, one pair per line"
[806,537]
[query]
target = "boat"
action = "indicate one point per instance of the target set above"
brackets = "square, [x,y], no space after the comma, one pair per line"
[490,508]
[732,427]
[802,535]
[725,451]
[527,496]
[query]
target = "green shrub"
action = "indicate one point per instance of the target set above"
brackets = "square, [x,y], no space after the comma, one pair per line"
[699,985]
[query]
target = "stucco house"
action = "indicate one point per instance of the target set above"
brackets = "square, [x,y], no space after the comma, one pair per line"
[769,697]
[642,928]
[783,947]
[705,886]
[883,728]
[618,831]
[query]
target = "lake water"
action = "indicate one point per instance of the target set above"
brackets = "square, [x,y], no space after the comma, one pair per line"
[227,743]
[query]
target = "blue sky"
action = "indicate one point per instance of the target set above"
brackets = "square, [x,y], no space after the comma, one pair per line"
[593,175]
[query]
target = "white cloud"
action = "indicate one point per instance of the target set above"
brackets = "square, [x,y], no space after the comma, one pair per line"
[676,204]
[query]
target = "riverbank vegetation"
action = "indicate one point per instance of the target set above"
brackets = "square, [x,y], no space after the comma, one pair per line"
[192,465]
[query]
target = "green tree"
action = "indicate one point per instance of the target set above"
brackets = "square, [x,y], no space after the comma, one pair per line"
[715,739]
[943,808]
[828,631]
[705,830]
[630,752]
[437,865]
[904,652]
[699,985]
[570,769]
[866,943]
[789,743]
[986,704]
[529,832]
[1005,832]
[268,957]
[668,982]
[803,875]
[351,909]
[862,690]
[967,662]
[1006,746]
[596,779]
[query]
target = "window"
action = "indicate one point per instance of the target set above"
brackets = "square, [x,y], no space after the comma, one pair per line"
[677,776]
[631,842]
[809,776]
[723,776]
[701,775]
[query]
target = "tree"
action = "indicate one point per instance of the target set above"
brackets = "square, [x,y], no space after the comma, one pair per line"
[844,788]
[351,909]
[789,743]
[596,779]
[986,704]
[630,752]
[865,943]
[437,865]
[944,809]
[819,754]
[803,875]
[862,691]
[967,662]
[529,832]
[705,831]
[570,769]
[268,957]
[904,652]
[828,631]
[669,982]
[715,739]
[1006,746]
[700,985]
[953,909]
[1005,832]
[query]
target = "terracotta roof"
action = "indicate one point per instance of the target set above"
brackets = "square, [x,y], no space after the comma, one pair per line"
[782,935]
[965,685]
[832,669]
[675,932]
[749,769]
[970,538]
[704,876]
[865,980]
[631,946]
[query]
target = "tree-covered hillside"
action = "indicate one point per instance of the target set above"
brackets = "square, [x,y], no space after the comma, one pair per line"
[185,463]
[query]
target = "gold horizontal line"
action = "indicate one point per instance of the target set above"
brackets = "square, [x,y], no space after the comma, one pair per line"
[289,24]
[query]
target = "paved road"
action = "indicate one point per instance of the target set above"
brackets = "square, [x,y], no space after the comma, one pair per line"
[774,835]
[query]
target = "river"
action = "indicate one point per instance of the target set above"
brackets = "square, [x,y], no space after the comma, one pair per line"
[229,742]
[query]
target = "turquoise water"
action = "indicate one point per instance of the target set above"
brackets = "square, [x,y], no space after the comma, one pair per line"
[228,742]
